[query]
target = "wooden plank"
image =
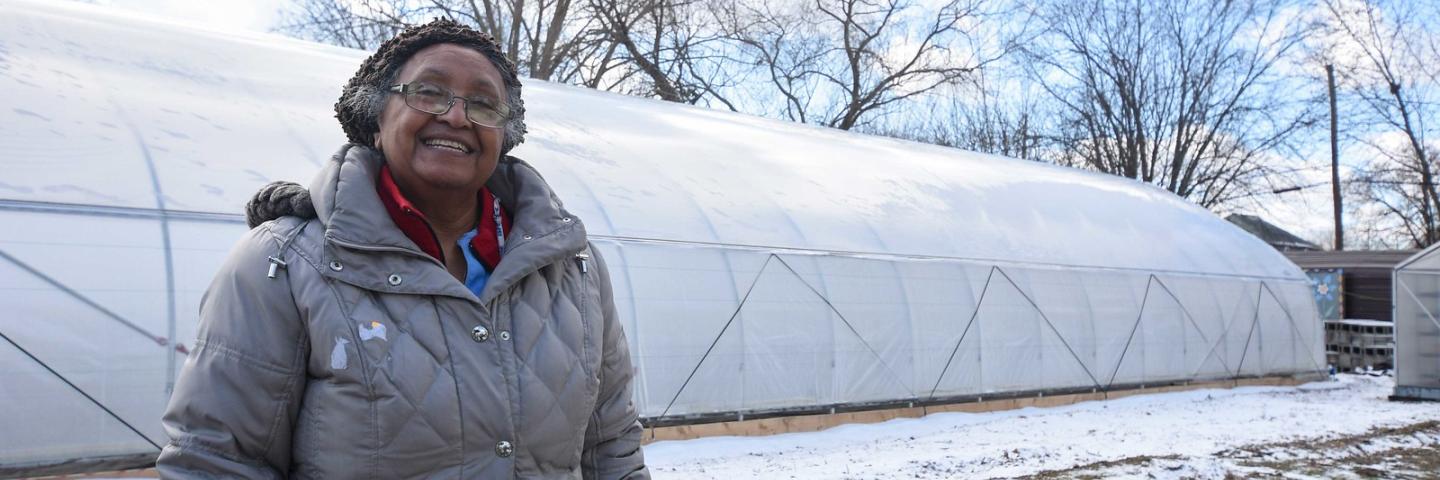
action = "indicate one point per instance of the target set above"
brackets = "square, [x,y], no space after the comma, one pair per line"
[811,423]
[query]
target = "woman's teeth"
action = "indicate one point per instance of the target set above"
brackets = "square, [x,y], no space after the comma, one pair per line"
[435,142]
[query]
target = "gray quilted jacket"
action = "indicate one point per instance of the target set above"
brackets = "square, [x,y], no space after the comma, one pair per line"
[363,358]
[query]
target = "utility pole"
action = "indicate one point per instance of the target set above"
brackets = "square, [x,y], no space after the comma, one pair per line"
[1335,162]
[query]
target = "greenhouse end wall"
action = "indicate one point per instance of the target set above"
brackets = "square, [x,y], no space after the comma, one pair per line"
[1417,327]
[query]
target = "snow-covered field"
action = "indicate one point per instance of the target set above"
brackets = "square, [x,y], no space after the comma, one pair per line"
[1340,428]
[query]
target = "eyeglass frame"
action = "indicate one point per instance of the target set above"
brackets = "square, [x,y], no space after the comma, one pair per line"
[499,108]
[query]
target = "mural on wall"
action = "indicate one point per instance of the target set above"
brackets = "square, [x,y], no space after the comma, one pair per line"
[1325,285]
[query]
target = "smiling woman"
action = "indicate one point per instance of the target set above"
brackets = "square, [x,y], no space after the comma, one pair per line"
[438,315]
[442,155]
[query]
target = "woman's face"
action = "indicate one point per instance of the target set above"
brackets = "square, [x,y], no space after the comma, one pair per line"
[444,152]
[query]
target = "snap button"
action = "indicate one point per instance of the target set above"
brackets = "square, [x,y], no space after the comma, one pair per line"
[394,280]
[480,333]
[527,237]
[504,335]
[336,266]
[504,448]
[566,219]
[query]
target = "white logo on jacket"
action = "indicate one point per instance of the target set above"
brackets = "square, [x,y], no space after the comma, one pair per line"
[373,330]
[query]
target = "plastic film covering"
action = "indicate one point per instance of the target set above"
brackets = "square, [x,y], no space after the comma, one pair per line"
[86,355]
[90,330]
[1417,326]
[760,267]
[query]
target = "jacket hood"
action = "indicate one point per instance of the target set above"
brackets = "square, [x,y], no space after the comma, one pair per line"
[357,224]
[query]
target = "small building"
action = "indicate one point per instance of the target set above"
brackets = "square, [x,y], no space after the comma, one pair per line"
[1364,278]
[1352,291]
[1277,237]
[1417,329]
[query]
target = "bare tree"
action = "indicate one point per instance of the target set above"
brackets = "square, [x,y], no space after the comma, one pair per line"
[659,48]
[1000,120]
[1188,94]
[543,36]
[361,24]
[839,62]
[665,44]
[1387,60]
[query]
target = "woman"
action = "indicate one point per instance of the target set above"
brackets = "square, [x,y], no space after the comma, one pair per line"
[441,315]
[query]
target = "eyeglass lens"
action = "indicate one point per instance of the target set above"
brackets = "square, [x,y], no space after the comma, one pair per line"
[436,100]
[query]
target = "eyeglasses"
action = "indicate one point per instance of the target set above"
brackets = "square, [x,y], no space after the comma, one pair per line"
[437,100]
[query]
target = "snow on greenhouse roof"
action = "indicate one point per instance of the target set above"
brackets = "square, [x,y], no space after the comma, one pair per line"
[128,112]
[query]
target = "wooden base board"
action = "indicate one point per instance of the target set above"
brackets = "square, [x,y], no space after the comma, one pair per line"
[141,473]
[810,423]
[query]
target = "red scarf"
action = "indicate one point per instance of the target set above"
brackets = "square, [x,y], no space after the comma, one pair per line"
[417,227]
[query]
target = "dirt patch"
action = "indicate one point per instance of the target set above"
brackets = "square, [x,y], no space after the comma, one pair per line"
[1410,451]
[1099,470]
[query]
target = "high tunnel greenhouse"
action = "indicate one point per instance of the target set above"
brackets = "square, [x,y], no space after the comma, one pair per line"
[760,267]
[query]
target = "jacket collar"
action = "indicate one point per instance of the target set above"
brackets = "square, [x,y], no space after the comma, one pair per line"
[543,232]
[412,222]
[358,225]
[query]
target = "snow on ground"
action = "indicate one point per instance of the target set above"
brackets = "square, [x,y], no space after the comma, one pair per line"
[1200,433]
